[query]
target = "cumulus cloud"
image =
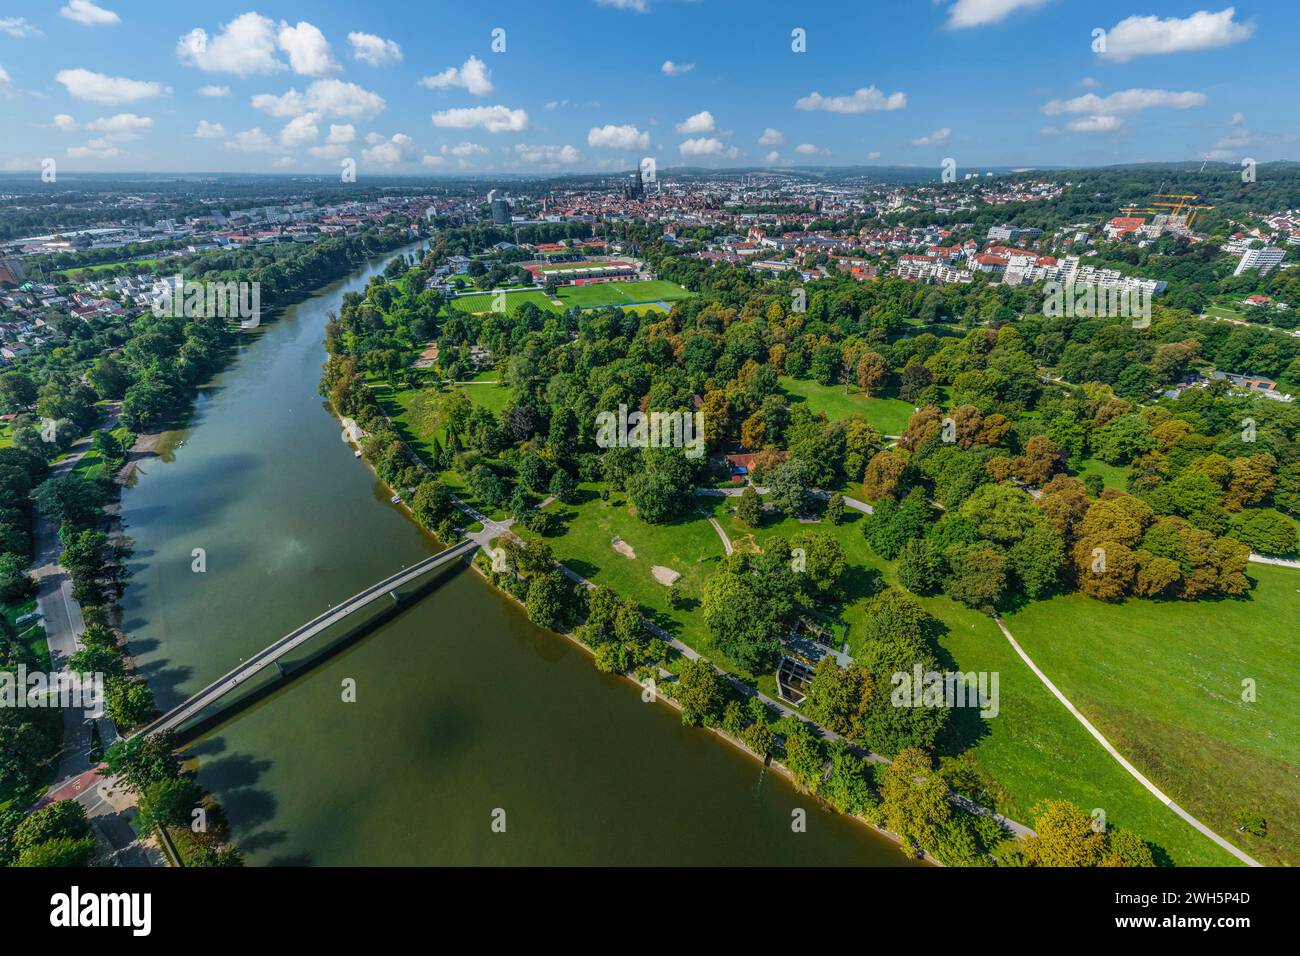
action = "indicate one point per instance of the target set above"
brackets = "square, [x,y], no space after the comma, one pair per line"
[101,88]
[1094,124]
[341,134]
[6,87]
[978,13]
[1149,36]
[494,119]
[433,162]
[1239,138]
[610,136]
[701,122]
[123,126]
[640,6]
[87,13]
[18,28]
[676,69]
[206,130]
[214,91]
[1125,102]
[707,146]
[937,138]
[462,150]
[63,121]
[244,46]
[300,131]
[773,157]
[472,75]
[95,149]
[309,51]
[250,141]
[330,97]
[374,50]
[866,100]
[807,149]
[388,152]
[771,137]
[547,155]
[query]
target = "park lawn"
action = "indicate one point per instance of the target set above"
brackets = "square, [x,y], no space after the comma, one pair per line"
[414,412]
[1164,681]
[483,303]
[601,294]
[142,265]
[91,464]
[1033,750]
[1112,476]
[1225,309]
[6,436]
[889,415]
[689,546]
[32,635]
[488,394]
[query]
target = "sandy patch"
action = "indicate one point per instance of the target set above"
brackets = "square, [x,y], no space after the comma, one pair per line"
[746,545]
[623,548]
[665,576]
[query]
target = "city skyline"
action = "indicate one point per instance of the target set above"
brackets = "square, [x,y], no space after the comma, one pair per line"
[239,87]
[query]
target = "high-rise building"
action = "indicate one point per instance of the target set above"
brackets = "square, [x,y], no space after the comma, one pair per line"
[500,212]
[1263,261]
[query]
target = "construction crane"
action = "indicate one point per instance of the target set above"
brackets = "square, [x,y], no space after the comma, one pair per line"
[1180,205]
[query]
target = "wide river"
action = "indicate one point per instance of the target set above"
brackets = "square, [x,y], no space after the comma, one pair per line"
[462,710]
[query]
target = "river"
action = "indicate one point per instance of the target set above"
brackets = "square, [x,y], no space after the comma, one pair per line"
[464,712]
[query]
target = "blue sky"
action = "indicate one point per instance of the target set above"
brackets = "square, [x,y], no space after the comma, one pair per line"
[404,87]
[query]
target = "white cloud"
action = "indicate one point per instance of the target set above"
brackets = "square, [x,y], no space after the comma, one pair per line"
[771,137]
[433,162]
[773,157]
[330,97]
[339,135]
[807,149]
[18,28]
[610,136]
[64,122]
[1094,124]
[1148,36]
[309,51]
[462,150]
[206,130]
[95,149]
[214,91]
[494,119]
[978,13]
[676,69]
[873,155]
[100,88]
[300,131]
[1239,138]
[251,141]
[937,138]
[547,155]
[388,152]
[640,6]
[707,146]
[123,126]
[244,46]
[473,76]
[375,50]
[1125,102]
[285,162]
[6,87]
[701,122]
[85,12]
[866,100]
[1088,83]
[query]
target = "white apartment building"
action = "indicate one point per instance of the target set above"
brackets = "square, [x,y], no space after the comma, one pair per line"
[1263,261]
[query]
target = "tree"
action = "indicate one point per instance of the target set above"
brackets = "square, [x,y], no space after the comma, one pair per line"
[432,503]
[979,576]
[804,757]
[699,691]
[60,852]
[839,698]
[16,392]
[921,567]
[823,565]
[72,499]
[872,372]
[745,605]
[750,509]
[846,787]
[1036,560]
[61,820]
[15,583]
[1264,531]
[169,803]
[547,599]
[915,800]
[835,509]
[140,761]
[563,486]
[1066,837]
[788,487]
[884,475]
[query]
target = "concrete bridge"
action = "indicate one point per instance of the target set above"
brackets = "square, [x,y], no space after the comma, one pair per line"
[269,657]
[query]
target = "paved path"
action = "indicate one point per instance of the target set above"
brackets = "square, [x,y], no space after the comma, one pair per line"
[1280,562]
[1110,749]
[63,622]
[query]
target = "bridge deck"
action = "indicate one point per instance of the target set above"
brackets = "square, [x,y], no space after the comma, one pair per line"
[265,658]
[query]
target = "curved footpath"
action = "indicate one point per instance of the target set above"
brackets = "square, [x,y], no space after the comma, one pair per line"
[1110,749]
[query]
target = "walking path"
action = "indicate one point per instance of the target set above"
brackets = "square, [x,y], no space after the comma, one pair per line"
[1133,771]
[1280,562]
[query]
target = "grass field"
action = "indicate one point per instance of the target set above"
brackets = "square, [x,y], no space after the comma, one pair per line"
[1033,749]
[483,303]
[1112,476]
[91,464]
[689,546]
[1164,682]
[890,415]
[603,294]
